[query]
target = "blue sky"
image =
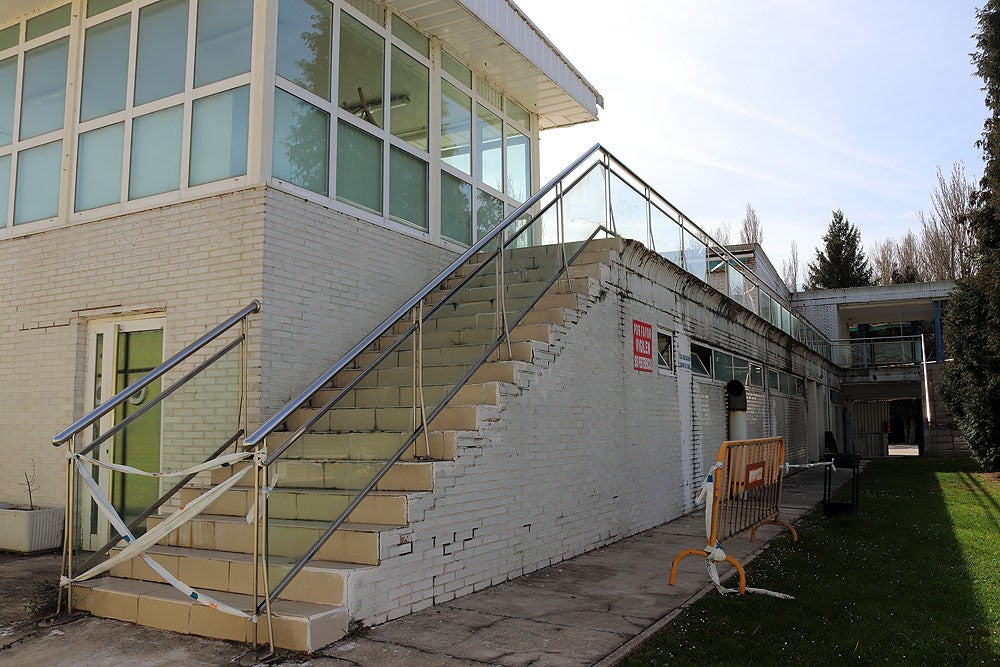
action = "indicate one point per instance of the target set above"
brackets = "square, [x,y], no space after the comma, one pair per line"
[797,107]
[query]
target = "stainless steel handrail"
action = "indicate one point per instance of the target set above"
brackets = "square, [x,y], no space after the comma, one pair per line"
[286,411]
[361,494]
[271,424]
[153,375]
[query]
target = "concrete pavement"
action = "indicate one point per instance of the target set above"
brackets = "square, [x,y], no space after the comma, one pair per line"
[592,609]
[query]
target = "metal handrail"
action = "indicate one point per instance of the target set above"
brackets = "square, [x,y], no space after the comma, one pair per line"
[360,496]
[271,424]
[153,375]
[286,411]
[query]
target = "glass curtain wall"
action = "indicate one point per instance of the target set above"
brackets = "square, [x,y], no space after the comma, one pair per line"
[370,114]
[163,104]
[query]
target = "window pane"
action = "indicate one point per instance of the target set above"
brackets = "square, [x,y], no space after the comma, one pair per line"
[105,68]
[48,22]
[44,101]
[489,145]
[461,73]
[411,36]
[741,370]
[37,193]
[156,153]
[4,189]
[305,33]
[517,114]
[772,381]
[8,84]
[518,165]
[301,143]
[161,50]
[361,65]
[9,37]
[409,99]
[456,128]
[95,7]
[407,187]
[722,364]
[219,136]
[456,209]
[664,350]
[489,213]
[99,167]
[222,45]
[359,167]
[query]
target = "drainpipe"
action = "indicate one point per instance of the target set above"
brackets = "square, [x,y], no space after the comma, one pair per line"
[736,405]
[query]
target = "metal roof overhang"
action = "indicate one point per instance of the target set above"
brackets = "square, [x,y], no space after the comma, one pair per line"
[504,46]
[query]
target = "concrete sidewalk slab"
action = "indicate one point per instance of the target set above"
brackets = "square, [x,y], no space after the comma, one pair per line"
[588,610]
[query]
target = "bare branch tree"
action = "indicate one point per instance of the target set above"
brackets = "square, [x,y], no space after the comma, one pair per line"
[908,256]
[883,260]
[721,233]
[790,269]
[751,231]
[945,237]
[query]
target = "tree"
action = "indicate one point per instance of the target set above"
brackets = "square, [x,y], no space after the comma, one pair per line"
[790,269]
[908,257]
[751,230]
[842,261]
[883,261]
[721,233]
[972,379]
[945,237]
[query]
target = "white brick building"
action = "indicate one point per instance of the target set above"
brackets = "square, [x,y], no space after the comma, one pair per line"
[165,162]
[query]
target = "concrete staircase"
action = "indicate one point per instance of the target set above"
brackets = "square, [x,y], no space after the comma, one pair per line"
[319,473]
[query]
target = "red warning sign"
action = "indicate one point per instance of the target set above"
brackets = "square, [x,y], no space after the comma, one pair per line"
[642,346]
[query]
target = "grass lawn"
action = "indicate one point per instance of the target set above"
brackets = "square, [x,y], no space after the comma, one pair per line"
[912,578]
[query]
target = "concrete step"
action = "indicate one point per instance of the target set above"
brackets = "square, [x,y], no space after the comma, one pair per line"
[370,446]
[484,393]
[298,626]
[514,291]
[445,355]
[353,543]
[341,474]
[312,504]
[322,582]
[520,333]
[488,278]
[382,420]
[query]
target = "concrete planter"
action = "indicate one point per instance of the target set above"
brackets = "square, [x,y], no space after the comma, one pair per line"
[27,531]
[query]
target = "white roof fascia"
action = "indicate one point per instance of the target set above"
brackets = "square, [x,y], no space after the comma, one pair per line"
[502,44]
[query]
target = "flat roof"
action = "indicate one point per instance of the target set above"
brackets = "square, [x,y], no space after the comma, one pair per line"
[505,47]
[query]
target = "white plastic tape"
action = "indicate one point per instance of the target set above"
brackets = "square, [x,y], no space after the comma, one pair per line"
[136,547]
[223,461]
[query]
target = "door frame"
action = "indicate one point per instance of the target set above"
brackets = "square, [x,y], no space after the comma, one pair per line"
[107,329]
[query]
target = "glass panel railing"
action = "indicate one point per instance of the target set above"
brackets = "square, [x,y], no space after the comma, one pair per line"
[629,210]
[695,256]
[666,235]
[737,286]
[371,418]
[875,352]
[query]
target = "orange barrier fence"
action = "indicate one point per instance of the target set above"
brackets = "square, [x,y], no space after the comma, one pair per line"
[745,483]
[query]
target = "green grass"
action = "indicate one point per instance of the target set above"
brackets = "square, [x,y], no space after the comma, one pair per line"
[912,578]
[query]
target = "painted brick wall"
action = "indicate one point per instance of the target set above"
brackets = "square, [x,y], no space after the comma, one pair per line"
[329,279]
[583,450]
[196,263]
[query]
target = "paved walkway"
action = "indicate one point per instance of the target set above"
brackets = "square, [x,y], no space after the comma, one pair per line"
[589,610]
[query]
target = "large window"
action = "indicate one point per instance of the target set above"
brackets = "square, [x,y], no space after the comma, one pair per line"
[160,107]
[388,132]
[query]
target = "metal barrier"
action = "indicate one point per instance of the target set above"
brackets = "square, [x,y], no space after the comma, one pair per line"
[745,483]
